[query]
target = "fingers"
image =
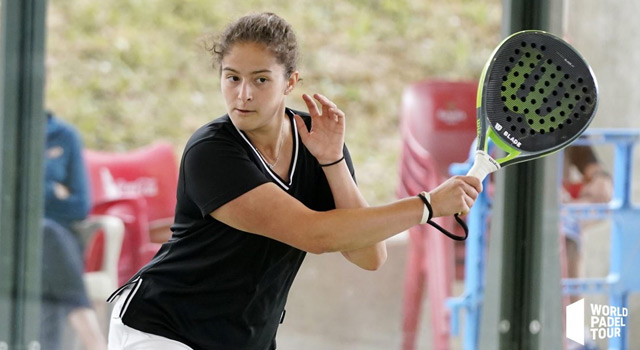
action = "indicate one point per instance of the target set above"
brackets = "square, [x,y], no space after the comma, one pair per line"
[327,105]
[324,101]
[468,196]
[311,106]
[473,182]
[336,114]
[456,195]
[472,187]
[329,109]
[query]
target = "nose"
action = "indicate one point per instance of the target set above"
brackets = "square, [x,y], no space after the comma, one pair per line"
[245,94]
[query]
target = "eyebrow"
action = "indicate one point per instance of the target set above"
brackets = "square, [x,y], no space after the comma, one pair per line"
[254,72]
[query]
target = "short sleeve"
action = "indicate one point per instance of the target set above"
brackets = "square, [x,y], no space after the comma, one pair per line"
[218,171]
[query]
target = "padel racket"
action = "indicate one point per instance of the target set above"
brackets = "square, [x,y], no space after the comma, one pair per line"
[536,95]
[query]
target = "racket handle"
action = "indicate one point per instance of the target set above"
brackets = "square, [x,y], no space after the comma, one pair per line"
[483,165]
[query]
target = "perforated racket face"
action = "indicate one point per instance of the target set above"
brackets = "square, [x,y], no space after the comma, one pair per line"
[539,94]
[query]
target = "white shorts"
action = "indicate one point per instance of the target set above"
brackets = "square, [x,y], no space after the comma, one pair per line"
[122,337]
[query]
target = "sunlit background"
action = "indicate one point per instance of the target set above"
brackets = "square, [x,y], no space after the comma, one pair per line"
[128,73]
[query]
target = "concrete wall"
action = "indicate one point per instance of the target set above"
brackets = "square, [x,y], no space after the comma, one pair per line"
[608,35]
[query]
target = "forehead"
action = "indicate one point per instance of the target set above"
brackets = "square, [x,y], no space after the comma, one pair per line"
[250,56]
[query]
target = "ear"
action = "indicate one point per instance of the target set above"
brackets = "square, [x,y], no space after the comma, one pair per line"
[291,83]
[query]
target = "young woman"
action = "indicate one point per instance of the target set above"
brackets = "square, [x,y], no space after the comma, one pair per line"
[258,188]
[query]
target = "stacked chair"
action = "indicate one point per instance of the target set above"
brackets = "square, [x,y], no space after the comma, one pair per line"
[438,123]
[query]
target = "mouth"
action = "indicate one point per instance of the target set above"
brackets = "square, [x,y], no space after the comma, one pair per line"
[243,111]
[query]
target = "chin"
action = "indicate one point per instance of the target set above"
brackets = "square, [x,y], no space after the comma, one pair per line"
[241,122]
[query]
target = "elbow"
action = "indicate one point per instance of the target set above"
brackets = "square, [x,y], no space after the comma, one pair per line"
[315,249]
[370,260]
[376,263]
[380,262]
[371,266]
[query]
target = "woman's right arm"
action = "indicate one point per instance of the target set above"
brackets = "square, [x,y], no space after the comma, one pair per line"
[268,211]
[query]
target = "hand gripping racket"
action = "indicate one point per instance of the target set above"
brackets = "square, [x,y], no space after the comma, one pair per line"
[536,95]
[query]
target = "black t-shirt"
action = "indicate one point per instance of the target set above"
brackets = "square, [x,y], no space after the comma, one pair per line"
[212,286]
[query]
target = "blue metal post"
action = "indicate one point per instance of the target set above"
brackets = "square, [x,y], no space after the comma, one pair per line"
[621,234]
[474,269]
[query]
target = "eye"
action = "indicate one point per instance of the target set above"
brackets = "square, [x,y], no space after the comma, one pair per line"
[262,80]
[232,78]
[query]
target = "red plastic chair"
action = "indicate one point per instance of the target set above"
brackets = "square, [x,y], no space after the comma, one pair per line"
[139,187]
[442,117]
[438,123]
[429,258]
[103,236]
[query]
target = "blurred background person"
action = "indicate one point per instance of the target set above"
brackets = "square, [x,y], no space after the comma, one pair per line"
[584,181]
[67,202]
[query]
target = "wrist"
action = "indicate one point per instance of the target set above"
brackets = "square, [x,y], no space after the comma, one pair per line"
[331,162]
[427,211]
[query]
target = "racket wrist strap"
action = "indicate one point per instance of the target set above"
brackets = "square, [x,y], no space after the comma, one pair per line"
[460,222]
[427,215]
[427,212]
[483,165]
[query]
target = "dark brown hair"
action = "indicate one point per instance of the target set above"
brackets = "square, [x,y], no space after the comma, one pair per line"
[264,28]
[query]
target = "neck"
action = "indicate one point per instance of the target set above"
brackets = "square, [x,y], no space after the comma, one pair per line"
[270,141]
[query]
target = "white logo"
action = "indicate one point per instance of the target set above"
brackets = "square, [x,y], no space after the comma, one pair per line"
[498,126]
[605,322]
[575,321]
[451,116]
[512,139]
[118,188]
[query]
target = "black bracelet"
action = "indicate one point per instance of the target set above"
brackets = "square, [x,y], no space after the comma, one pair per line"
[332,163]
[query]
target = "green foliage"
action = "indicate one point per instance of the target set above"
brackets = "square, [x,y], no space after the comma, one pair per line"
[130,72]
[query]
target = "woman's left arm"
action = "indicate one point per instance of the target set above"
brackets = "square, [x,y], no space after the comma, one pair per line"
[347,195]
[326,141]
